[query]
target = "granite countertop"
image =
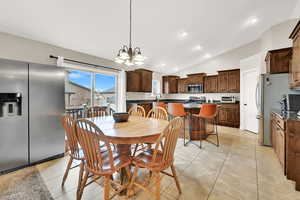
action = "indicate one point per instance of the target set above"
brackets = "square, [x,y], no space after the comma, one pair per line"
[172,101]
[288,115]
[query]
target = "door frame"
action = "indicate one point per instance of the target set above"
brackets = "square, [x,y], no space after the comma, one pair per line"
[242,92]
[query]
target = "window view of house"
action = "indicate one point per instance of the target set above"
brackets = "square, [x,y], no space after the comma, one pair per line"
[78,88]
[105,91]
[80,92]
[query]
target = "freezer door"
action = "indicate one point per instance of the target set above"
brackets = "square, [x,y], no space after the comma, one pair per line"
[14,129]
[46,97]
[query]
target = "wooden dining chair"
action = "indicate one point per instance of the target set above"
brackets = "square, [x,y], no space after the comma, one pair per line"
[97,111]
[160,158]
[75,152]
[73,114]
[97,161]
[158,113]
[137,111]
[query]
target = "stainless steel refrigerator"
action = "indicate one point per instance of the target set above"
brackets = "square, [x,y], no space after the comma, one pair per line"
[270,89]
[31,103]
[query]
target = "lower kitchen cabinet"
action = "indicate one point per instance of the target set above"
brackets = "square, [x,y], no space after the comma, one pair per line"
[229,115]
[278,138]
[285,135]
[146,106]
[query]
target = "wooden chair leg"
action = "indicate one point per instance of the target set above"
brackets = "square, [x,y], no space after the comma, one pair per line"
[135,172]
[81,166]
[135,149]
[176,178]
[82,185]
[157,186]
[106,187]
[67,171]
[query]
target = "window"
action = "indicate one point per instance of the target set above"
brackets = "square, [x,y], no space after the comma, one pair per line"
[105,91]
[78,88]
[91,89]
[155,87]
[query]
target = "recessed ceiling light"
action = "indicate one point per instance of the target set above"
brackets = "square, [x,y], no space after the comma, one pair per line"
[176,69]
[251,21]
[206,56]
[163,64]
[183,34]
[198,48]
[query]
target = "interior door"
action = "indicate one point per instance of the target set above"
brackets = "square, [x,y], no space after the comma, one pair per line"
[250,108]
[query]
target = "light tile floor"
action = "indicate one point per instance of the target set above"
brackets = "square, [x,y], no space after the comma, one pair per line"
[239,169]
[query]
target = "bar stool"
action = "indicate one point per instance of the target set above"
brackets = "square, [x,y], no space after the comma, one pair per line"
[159,104]
[209,112]
[177,110]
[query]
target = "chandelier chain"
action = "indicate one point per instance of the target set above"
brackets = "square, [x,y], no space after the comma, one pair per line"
[130,19]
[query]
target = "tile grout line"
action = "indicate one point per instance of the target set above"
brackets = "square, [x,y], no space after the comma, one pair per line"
[219,173]
[257,190]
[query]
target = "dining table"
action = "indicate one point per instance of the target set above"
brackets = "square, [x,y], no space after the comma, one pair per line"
[136,130]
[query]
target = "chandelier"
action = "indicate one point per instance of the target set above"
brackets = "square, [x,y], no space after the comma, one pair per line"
[127,54]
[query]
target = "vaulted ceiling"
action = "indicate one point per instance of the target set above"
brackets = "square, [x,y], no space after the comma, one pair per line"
[173,34]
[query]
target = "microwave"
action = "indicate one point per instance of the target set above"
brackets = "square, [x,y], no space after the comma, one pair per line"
[291,102]
[196,88]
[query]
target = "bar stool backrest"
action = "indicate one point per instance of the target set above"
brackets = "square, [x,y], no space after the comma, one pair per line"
[176,109]
[208,111]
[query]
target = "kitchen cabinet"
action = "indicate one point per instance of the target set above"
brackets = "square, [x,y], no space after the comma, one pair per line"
[211,84]
[146,106]
[195,79]
[182,85]
[295,63]
[293,151]
[229,81]
[170,84]
[278,138]
[277,61]
[222,82]
[285,132]
[133,81]
[229,115]
[139,80]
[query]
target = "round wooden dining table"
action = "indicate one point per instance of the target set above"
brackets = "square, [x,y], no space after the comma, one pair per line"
[136,130]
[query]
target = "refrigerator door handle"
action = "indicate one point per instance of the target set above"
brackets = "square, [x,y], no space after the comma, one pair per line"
[257,96]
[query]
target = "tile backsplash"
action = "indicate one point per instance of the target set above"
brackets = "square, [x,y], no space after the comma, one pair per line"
[149,96]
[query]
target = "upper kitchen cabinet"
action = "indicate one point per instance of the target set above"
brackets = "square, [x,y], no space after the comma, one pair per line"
[182,85]
[295,63]
[170,84]
[139,80]
[278,60]
[195,79]
[211,84]
[229,81]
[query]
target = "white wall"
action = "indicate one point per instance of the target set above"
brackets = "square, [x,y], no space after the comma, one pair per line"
[296,12]
[228,60]
[22,49]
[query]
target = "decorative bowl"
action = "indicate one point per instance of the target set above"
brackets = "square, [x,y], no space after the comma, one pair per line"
[121,117]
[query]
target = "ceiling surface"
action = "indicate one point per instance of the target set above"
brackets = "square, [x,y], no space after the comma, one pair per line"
[101,27]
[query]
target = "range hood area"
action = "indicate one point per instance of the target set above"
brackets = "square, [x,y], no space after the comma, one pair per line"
[31,103]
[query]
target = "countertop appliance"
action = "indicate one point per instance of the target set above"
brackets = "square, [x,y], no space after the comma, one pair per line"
[269,91]
[196,100]
[293,102]
[195,88]
[228,99]
[31,103]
